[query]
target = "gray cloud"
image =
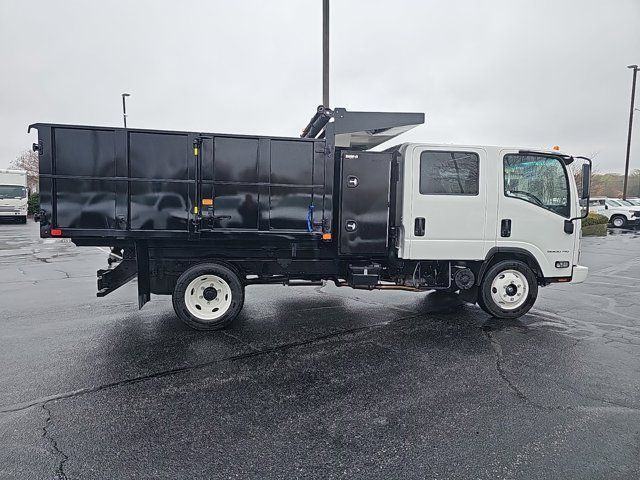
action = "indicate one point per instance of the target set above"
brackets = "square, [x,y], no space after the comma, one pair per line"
[530,72]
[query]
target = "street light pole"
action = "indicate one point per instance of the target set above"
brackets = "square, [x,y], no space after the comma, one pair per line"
[633,99]
[325,53]
[124,108]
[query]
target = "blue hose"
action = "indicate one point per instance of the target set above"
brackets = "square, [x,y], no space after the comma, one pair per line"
[310,218]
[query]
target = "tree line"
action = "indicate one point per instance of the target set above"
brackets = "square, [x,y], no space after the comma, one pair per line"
[611,184]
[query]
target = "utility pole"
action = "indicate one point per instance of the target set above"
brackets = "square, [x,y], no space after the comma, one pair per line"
[633,99]
[124,108]
[325,53]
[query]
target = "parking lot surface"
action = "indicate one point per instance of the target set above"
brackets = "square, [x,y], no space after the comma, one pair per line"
[319,382]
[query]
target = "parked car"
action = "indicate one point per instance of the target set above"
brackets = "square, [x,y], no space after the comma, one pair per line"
[619,214]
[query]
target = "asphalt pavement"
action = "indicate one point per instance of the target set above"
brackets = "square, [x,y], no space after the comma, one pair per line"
[315,382]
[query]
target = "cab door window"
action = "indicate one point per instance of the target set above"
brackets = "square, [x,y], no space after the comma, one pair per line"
[538,179]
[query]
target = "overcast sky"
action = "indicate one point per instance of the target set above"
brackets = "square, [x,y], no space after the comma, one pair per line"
[507,72]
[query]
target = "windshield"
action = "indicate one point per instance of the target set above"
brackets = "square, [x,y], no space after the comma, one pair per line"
[537,179]
[12,191]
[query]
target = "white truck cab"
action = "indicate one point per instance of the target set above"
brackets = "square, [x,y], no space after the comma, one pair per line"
[619,212]
[13,194]
[501,206]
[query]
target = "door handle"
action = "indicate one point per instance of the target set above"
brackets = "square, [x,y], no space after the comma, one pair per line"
[505,227]
[419,227]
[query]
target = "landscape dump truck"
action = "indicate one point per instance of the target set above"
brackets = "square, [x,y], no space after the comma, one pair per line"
[200,216]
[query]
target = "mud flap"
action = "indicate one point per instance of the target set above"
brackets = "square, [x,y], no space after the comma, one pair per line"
[144,278]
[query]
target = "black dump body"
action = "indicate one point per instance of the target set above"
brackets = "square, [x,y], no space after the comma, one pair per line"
[109,182]
[204,195]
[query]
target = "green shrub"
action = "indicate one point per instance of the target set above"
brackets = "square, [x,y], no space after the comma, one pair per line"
[33,204]
[594,219]
[599,230]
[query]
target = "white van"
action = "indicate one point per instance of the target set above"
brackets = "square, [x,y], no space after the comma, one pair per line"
[13,194]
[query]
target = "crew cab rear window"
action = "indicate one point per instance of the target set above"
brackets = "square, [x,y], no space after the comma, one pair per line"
[449,173]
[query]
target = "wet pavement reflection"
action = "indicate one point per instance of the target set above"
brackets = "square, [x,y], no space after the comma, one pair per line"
[315,381]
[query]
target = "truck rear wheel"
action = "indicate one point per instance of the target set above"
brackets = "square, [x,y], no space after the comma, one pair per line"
[508,289]
[208,296]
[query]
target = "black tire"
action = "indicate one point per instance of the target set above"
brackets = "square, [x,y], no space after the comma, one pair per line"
[195,274]
[481,303]
[23,219]
[617,219]
[486,300]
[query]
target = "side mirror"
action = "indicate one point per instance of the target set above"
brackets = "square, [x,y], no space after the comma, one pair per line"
[606,207]
[586,180]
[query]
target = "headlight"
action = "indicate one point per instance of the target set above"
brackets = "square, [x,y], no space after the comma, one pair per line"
[636,213]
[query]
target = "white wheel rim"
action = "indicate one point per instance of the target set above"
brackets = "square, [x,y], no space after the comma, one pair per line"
[199,301]
[618,222]
[510,289]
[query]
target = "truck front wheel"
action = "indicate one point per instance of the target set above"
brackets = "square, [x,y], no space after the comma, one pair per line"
[508,290]
[208,296]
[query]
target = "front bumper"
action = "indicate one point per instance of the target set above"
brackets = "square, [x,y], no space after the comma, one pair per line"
[13,214]
[580,273]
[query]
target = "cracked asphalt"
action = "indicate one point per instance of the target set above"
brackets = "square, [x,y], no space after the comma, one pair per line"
[315,382]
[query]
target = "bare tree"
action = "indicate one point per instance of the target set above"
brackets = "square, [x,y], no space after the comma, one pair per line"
[28,161]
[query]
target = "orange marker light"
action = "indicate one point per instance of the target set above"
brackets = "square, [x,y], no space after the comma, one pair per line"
[326,236]
[207,201]
[555,147]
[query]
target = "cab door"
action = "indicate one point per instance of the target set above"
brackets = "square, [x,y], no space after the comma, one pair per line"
[535,200]
[450,216]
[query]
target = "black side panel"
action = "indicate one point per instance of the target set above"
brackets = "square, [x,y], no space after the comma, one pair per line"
[99,183]
[291,184]
[230,179]
[84,203]
[90,153]
[364,213]
[81,199]
[159,184]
